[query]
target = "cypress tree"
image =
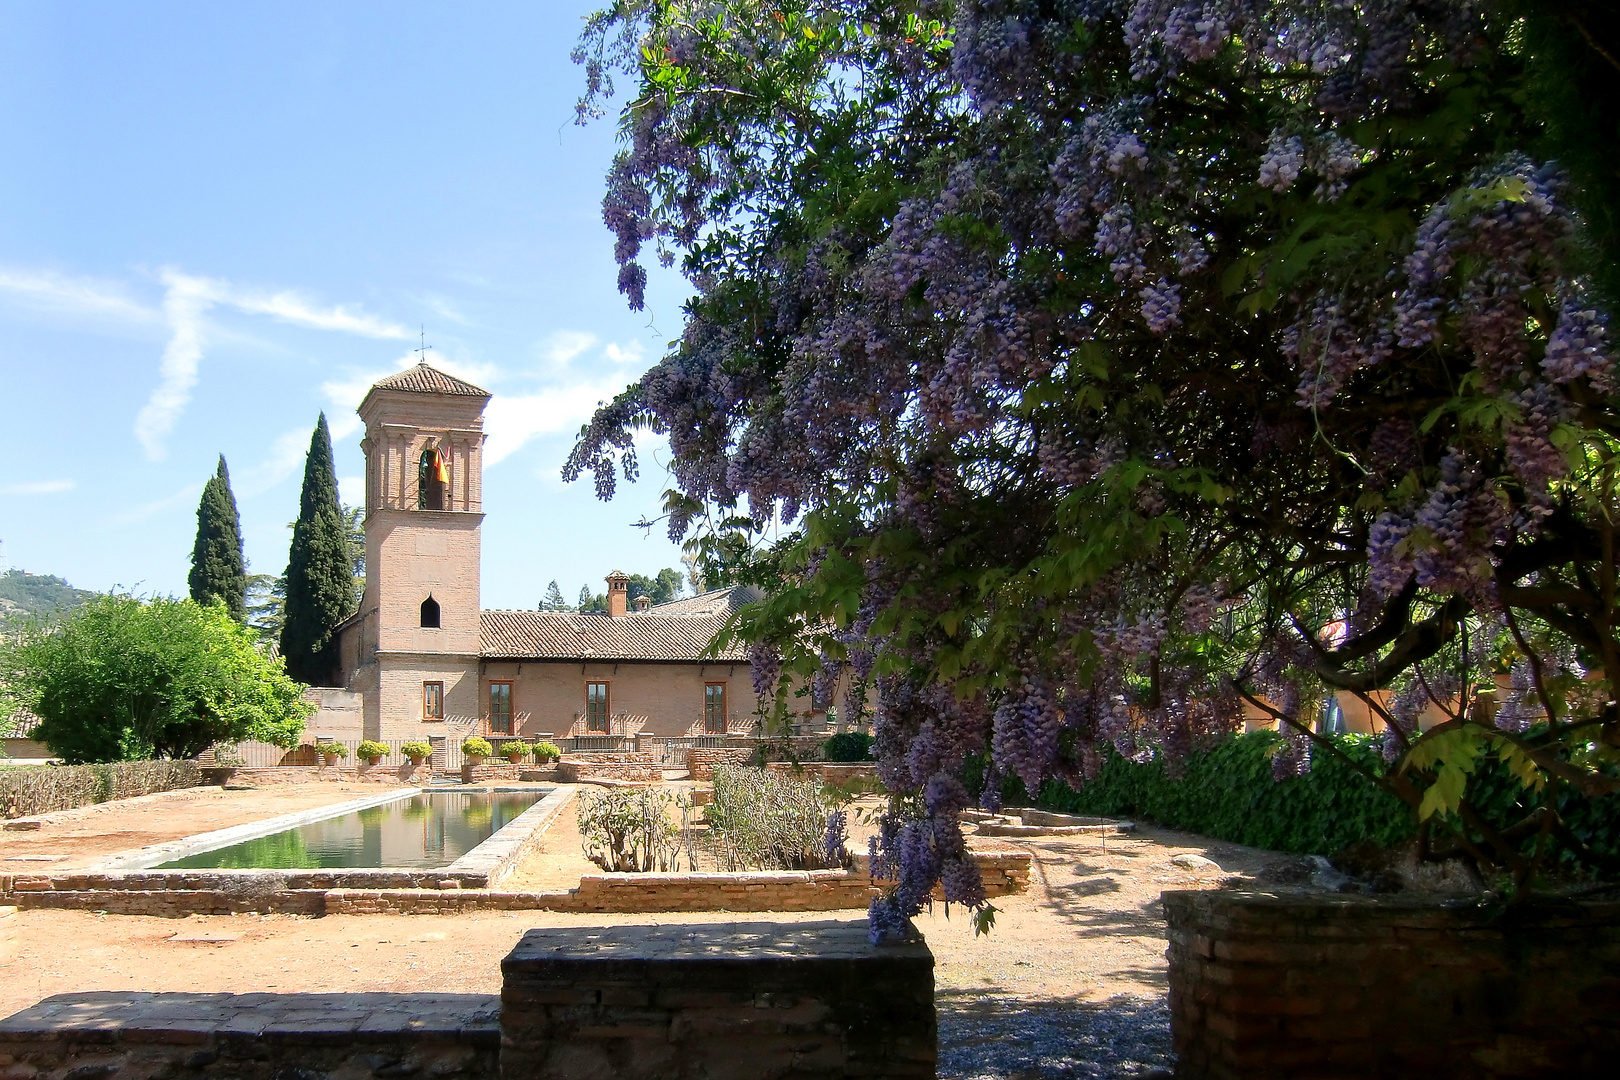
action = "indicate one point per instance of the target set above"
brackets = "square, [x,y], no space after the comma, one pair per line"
[320,583]
[218,570]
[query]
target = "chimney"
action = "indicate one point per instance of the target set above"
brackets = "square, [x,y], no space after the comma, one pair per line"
[642,604]
[618,594]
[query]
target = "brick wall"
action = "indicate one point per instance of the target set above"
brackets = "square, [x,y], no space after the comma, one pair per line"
[1281,985]
[757,1000]
[571,771]
[1003,871]
[700,761]
[484,774]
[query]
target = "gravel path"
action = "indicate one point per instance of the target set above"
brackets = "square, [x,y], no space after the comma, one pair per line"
[989,1038]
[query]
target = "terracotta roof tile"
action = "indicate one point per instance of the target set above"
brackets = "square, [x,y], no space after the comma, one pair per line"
[422,379]
[713,602]
[556,635]
[18,724]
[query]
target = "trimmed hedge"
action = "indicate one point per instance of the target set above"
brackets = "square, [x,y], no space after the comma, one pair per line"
[1228,794]
[40,789]
[848,746]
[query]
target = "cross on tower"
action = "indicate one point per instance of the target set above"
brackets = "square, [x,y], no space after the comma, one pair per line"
[421,352]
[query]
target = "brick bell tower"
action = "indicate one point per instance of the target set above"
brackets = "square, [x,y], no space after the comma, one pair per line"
[413,648]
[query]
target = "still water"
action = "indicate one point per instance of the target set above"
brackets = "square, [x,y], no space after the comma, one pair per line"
[423,831]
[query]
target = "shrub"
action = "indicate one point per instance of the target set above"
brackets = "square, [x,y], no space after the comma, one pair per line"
[518,747]
[370,749]
[331,749]
[631,831]
[848,746]
[547,751]
[43,789]
[766,821]
[475,746]
[417,748]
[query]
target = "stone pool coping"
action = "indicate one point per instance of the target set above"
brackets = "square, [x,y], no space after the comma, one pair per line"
[488,864]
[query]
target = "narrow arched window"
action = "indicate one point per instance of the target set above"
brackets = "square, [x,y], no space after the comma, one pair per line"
[430,613]
[432,480]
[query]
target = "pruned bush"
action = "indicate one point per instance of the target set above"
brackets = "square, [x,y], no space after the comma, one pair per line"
[476,746]
[547,751]
[332,749]
[369,749]
[848,746]
[766,821]
[417,749]
[517,748]
[45,788]
[631,831]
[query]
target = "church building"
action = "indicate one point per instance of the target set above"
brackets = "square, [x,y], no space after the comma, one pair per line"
[427,661]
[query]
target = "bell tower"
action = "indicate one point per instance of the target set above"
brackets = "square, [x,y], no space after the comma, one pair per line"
[419,615]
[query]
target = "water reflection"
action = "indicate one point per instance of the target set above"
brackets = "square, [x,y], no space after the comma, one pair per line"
[423,831]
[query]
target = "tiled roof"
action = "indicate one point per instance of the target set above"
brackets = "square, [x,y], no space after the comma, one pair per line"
[557,635]
[18,724]
[713,602]
[422,379]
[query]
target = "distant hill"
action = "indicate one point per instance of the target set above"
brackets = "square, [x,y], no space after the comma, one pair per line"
[23,595]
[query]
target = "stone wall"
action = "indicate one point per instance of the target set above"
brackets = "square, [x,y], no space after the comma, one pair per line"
[825,771]
[484,774]
[1326,985]
[1004,871]
[572,771]
[700,761]
[406,774]
[756,1000]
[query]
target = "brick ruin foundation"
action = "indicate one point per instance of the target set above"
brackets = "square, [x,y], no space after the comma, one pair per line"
[1328,985]
[761,1001]
[765,1001]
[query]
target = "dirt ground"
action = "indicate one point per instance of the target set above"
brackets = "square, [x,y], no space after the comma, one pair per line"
[1088,930]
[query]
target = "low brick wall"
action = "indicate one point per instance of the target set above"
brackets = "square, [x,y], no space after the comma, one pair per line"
[571,771]
[1004,873]
[145,1036]
[611,757]
[700,761]
[1295,985]
[406,774]
[825,771]
[761,1001]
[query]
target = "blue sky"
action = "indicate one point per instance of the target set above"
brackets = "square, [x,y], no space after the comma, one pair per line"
[219,219]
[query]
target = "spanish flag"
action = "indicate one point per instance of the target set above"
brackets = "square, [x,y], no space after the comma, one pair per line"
[441,468]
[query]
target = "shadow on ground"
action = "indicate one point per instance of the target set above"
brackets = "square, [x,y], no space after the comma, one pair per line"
[993,1036]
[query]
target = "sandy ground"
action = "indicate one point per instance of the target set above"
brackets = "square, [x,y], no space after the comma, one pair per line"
[72,839]
[1089,929]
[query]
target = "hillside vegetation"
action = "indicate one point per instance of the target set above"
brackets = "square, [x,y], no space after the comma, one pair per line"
[23,594]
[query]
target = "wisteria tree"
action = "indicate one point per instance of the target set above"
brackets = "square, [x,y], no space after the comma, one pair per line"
[1106,368]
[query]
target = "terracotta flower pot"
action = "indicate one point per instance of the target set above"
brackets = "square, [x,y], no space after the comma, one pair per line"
[417,759]
[373,760]
[329,759]
[475,759]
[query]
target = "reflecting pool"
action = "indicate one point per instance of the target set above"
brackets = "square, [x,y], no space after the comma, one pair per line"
[424,831]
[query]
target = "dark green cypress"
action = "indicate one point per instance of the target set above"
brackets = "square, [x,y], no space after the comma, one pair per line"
[218,570]
[320,582]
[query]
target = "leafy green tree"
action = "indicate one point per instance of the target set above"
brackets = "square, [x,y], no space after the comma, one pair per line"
[554,599]
[218,569]
[589,601]
[266,609]
[664,587]
[320,570]
[124,679]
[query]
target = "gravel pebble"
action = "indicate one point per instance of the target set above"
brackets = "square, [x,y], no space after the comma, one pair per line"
[997,1038]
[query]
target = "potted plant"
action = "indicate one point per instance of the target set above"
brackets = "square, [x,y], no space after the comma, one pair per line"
[371,752]
[417,751]
[516,751]
[475,749]
[546,751]
[331,751]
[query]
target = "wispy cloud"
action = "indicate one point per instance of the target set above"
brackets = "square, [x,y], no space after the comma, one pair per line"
[286,455]
[38,487]
[186,302]
[564,345]
[629,353]
[142,511]
[74,295]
